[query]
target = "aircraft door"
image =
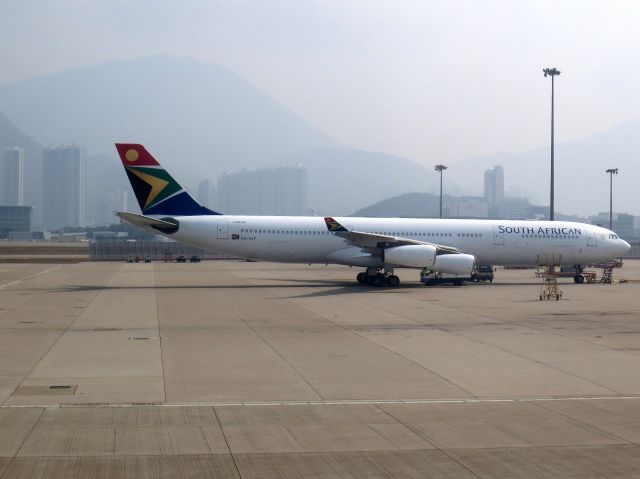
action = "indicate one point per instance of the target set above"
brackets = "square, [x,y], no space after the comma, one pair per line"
[498,236]
[223,230]
[591,238]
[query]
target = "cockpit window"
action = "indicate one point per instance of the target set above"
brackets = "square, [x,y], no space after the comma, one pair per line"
[612,236]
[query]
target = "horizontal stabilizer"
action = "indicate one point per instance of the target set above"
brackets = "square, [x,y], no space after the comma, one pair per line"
[146,222]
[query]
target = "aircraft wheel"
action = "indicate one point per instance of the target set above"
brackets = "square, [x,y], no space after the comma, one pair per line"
[361,278]
[393,281]
[578,278]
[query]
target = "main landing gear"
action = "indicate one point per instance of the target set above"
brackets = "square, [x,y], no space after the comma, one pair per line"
[375,277]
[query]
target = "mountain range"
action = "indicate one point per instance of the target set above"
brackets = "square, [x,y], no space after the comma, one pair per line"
[581,184]
[199,120]
[344,180]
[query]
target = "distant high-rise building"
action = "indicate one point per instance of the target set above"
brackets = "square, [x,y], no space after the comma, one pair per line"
[273,191]
[12,174]
[494,190]
[14,218]
[206,195]
[494,186]
[63,175]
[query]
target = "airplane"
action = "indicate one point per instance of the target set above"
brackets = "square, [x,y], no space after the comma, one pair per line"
[379,245]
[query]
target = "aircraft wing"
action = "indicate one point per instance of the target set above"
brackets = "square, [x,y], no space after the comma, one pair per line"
[378,241]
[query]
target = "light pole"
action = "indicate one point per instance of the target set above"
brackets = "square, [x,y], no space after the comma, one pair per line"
[611,171]
[553,72]
[440,168]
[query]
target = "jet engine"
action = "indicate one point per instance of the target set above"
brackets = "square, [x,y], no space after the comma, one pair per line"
[454,263]
[412,256]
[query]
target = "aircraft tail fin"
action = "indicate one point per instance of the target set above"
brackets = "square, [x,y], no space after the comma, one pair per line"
[155,189]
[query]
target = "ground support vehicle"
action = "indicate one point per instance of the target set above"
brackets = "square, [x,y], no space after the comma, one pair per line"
[483,272]
[430,278]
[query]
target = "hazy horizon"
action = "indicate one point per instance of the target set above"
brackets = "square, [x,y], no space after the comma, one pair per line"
[457,82]
[432,81]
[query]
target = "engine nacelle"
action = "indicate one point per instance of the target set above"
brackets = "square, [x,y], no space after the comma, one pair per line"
[412,256]
[454,263]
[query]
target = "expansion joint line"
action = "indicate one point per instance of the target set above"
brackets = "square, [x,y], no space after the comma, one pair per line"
[417,433]
[391,351]
[270,346]
[17,453]
[164,380]
[226,441]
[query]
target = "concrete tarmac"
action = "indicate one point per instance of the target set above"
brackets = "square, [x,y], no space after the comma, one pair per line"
[258,370]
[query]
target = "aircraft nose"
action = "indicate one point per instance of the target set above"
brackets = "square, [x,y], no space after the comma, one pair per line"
[627,247]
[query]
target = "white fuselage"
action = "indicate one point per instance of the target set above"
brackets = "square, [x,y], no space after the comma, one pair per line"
[307,240]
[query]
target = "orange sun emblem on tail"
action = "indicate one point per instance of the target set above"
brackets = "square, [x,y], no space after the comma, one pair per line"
[132,155]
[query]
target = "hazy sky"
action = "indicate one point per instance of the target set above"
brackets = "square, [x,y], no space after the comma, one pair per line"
[434,81]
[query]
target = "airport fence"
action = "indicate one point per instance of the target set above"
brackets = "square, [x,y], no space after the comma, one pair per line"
[123,250]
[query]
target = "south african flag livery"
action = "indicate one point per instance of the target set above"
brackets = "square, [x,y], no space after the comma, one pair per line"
[155,189]
[333,225]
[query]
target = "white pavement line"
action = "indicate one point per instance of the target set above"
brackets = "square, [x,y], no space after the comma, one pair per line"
[327,403]
[29,277]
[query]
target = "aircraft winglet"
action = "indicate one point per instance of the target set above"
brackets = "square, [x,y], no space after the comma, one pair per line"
[333,225]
